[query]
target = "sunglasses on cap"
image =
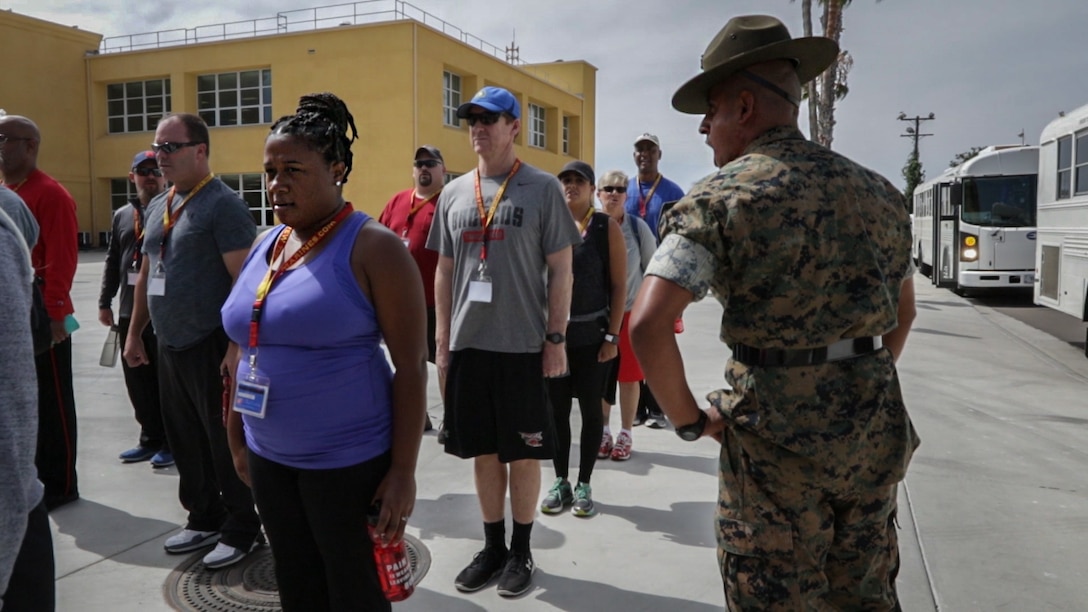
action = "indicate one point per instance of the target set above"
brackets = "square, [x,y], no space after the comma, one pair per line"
[171,147]
[427,163]
[611,188]
[484,118]
[142,171]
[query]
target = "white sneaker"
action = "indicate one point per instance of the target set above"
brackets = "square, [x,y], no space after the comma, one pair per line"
[223,555]
[188,540]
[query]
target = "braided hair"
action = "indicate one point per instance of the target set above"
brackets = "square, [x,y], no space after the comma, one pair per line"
[322,119]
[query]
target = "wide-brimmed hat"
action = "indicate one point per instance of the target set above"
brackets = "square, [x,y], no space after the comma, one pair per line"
[748,40]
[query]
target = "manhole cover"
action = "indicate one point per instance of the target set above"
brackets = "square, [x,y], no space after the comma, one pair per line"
[250,584]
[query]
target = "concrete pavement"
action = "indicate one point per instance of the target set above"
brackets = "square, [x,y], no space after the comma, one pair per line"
[992,512]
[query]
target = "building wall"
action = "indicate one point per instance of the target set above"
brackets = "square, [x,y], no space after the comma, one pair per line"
[389,74]
[45,80]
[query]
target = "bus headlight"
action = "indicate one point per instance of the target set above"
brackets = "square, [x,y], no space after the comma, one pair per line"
[969,247]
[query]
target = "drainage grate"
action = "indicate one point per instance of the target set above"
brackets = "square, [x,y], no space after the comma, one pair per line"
[251,583]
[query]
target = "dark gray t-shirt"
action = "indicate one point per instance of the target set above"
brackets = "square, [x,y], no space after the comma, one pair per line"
[531,222]
[214,222]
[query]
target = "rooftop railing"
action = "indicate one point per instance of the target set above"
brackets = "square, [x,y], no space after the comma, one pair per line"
[303,20]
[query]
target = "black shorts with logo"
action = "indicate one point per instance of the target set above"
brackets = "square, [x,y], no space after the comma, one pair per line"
[496,403]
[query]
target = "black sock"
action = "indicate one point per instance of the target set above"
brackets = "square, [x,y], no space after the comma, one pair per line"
[495,534]
[519,541]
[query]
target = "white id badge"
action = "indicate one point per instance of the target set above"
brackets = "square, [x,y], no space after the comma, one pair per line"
[156,285]
[251,397]
[132,276]
[407,242]
[480,291]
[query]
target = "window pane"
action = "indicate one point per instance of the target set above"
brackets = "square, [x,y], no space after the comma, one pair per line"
[1082,180]
[228,98]
[266,77]
[250,78]
[166,82]
[153,88]
[135,106]
[253,200]
[205,100]
[1065,151]
[266,92]
[1082,149]
[115,107]
[154,105]
[251,97]
[228,80]
[135,88]
[1063,184]
[228,117]
[252,182]
[208,117]
[251,116]
[268,114]
[115,91]
[136,124]
[153,121]
[117,125]
[230,180]
[205,82]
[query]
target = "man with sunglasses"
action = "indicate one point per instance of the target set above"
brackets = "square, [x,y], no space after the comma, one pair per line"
[123,259]
[409,214]
[54,258]
[197,236]
[502,293]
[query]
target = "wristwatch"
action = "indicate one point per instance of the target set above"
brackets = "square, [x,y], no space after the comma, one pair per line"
[693,431]
[555,338]
[613,338]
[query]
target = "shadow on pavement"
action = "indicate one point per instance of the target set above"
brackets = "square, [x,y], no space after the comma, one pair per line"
[570,594]
[109,532]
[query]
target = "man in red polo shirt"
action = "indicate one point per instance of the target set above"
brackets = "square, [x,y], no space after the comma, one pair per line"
[409,214]
[54,258]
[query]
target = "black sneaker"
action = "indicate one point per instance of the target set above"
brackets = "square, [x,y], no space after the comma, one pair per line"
[485,565]
[517,575]
[443,435]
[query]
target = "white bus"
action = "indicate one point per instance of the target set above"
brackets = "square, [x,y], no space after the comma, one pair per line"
[1062,258]
[974,225]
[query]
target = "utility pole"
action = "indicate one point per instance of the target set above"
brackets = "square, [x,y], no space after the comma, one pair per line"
[915,132]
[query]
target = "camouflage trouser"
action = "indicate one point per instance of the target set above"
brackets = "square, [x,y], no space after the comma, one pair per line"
[787,541]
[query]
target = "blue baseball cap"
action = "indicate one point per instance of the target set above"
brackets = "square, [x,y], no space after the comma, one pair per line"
[494,99]
[144,156]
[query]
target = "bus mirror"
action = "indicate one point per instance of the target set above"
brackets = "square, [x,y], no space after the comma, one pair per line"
[956,194]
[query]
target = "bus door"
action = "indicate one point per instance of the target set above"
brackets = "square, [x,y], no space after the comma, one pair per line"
[946,229]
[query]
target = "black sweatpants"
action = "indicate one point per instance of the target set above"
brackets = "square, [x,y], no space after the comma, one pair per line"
[586,382]
[191,391]
[56,455]
[32,585]
[316,526]
[142,383]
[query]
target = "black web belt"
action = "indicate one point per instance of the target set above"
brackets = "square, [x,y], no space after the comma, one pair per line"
[777,358]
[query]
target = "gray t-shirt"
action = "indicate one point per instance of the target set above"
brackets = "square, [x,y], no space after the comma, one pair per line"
[640,250]
[17,210]
[531,222]
[216,221]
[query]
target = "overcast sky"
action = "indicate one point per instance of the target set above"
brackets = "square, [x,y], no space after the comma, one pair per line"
[987,69]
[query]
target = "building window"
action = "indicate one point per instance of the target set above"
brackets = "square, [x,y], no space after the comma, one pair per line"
[1065,166]
[451,98]
[1080,164]
[235,98]
[136,106]
[250,187]
[536,126]
[121,192]
[566,135]
[449,177]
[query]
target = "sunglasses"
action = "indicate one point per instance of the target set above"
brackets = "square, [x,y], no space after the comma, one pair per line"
[610,189]
[484,118]
[427,163]
[147,171]
[171,147]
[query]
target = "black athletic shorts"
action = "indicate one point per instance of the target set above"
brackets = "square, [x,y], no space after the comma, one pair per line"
[430,334]
[496,403]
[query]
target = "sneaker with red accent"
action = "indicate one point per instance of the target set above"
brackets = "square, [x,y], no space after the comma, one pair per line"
[606,446]
[622,449]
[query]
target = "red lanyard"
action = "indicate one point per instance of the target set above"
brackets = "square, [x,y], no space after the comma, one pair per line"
[16,186]
[138,231]
[485,218]
[170,217]
[414,209]
[274,273]
[644,199]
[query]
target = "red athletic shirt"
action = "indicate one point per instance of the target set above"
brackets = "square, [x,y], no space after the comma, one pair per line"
[57,252]
[395,217]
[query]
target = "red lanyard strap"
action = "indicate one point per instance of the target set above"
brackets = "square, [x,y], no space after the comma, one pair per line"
[416,208]
[274,273]
[485,218]
[644,198]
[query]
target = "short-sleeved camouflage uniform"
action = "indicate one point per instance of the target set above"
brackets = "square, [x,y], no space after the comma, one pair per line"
[803,247]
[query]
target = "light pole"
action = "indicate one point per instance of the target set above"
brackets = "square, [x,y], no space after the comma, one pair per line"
[915,132]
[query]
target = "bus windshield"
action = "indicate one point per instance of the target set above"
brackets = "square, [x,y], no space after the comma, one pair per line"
[1000,201]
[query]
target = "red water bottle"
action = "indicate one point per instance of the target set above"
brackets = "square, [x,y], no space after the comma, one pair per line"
[394,570]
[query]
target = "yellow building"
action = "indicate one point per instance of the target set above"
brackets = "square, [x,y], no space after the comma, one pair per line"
[401,78]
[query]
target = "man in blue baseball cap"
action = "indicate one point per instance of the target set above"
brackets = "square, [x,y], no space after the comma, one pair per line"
[122,265]
[502,295]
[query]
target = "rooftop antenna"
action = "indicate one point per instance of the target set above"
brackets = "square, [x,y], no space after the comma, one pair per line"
[513,52]
[1021,135]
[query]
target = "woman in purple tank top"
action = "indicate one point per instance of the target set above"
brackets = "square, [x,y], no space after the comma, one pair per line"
[319,424]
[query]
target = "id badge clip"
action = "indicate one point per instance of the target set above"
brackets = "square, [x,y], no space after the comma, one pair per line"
[479,286]
[251,398]
[156,284]
[133,274]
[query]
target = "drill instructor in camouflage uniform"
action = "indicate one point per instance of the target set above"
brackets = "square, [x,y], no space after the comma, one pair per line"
[809,253]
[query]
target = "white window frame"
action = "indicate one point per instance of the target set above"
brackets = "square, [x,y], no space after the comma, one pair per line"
[451,98]
[128,104]
[1080,163]
[119,198]
[1063,187]
[566,135]
[220,102]
[254,195]
[538,120]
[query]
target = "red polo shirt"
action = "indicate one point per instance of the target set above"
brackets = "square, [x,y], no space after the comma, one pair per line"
[57,252]
[414,229]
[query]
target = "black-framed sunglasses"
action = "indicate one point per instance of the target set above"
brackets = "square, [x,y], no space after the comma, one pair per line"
[484,118]
[171,147]
[427,163]
[611,188]
[141,171]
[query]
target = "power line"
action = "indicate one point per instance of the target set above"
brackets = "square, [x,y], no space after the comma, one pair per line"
[916,131]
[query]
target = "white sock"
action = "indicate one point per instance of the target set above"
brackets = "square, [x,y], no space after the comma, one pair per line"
[606,431]
[628,432]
